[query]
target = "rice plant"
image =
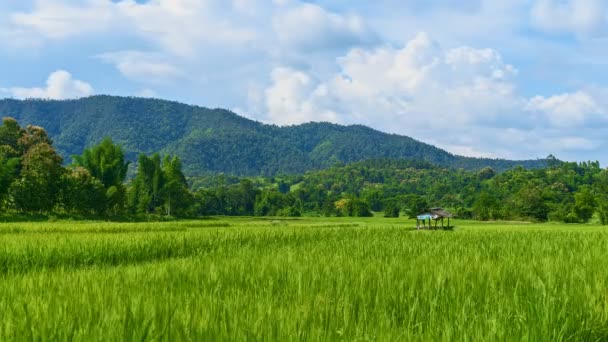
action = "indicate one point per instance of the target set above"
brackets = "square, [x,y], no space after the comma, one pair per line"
[309,279]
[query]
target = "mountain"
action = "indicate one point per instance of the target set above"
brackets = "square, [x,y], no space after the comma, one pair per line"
[217,140]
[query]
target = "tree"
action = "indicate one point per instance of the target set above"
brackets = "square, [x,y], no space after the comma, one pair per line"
[10,132]
[31,136]
[160,187]
[391,209]
[486,173]
[175,193]
[106,162]
[529,203]
[82,193]
[584,204]
[283,187]
[486,206]
[353,207]
[415,205]
[601,190]
[145,192]
[39,184]
[374,198]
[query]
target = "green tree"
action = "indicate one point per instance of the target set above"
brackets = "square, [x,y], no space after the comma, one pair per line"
[415,205]
[391,209]
[145,192]
[529,203]
[10,133]
[106,162]
[584,204]
[82,193]
[601,190]
[175,193]
[486,206]
[39,184]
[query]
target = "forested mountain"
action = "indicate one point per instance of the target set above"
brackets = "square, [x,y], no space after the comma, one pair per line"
[217,140]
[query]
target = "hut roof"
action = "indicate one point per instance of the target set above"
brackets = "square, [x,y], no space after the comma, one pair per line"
[441,213]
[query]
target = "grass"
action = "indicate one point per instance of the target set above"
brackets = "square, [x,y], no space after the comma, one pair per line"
[302,279]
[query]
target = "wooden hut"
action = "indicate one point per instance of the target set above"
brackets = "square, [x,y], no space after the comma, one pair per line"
[436,214]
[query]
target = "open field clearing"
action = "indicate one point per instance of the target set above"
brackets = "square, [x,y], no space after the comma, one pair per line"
[302,279]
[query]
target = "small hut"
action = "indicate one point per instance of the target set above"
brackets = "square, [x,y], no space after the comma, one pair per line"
[436,214]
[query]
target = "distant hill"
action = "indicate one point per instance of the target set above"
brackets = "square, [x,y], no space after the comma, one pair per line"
[217,140]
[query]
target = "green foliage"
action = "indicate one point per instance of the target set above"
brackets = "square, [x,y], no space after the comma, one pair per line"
[307,279]
[160,187]
[39,184]
[353,207]
[32,180]
[584,204]
[391,209]
[105,162]
[216,140]
[9,170]
[82,193]
[486,206]
[518,194]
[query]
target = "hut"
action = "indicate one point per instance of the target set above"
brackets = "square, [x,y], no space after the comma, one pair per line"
[436,214]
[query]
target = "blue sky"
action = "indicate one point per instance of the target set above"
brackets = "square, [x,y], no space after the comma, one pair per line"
[511,79]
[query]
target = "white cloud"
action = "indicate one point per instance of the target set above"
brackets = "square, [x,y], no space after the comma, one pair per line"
[416,83]
[181,26]
[143,67]
[463,99]
[59,85]
[291,61]
[293,98]
[56,19]
[566,110]
[177,26]
[309,26]
[571,16]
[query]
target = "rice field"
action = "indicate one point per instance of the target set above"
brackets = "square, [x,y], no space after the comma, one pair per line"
[314,279]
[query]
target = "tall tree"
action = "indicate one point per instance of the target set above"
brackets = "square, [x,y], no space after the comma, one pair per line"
[145,191]
[39,184]
[176,195]
[106,162]
[82,193]
[160,187]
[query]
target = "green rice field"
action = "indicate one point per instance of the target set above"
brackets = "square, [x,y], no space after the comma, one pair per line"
[319,279]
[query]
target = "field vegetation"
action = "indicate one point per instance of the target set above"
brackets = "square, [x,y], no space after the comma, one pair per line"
[302,279]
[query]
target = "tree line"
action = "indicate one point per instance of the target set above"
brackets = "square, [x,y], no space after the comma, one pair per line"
[34,180]
[562,192]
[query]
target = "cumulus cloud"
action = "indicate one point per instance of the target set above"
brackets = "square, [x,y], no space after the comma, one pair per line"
[294,98]
[414,83]
[463,99]
[292,61]
[309,26]
[60,85]
[567,110]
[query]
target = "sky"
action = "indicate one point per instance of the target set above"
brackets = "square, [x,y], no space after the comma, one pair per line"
[517,79]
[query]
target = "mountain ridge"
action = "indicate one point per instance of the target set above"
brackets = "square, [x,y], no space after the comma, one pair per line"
[220,141]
